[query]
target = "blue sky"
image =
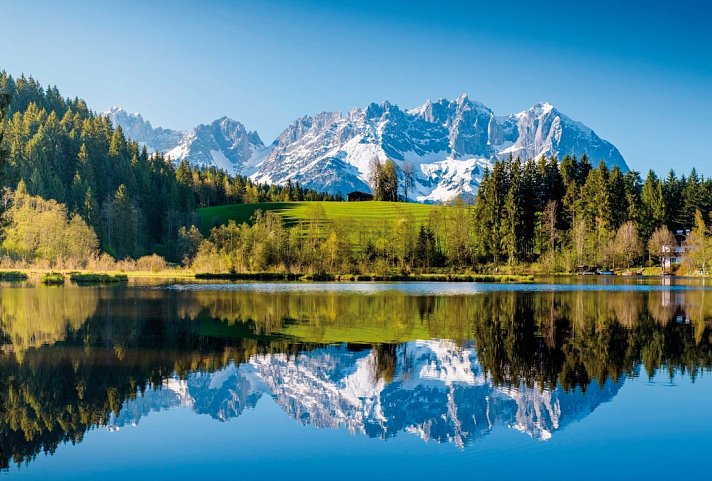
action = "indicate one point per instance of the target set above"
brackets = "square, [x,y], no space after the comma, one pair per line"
[637,72]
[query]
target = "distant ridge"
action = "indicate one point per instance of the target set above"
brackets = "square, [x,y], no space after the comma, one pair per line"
[448,143]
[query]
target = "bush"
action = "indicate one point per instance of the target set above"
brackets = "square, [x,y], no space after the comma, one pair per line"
[12,276]
[103,262]
[97,278]
[52,279]
[153,263]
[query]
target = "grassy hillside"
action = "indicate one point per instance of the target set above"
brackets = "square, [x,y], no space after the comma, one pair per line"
[365,215]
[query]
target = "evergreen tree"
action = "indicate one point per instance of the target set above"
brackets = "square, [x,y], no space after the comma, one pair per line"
[633,194]
[617,198]
[5,100]
[653,205]
[672,190]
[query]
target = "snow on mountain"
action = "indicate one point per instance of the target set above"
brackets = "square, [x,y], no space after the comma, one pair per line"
[436,390]
[140,130]
[448,144]
[544,130]
[224,143]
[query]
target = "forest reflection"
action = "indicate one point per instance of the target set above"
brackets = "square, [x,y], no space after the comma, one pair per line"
[72,357]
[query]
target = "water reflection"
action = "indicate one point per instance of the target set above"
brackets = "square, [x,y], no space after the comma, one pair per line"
[446,368]
[437,391]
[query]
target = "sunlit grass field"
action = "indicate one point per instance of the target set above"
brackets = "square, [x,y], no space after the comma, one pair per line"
[363,215]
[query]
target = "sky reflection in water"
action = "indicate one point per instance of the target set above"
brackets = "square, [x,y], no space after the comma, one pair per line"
[311,381]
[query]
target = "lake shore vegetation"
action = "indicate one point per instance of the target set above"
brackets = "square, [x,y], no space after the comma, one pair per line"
[78,195]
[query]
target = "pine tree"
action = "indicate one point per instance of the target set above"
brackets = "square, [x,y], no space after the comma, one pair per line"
[672,190]
[617,199]
[633,193]
[5,99]
[653,205]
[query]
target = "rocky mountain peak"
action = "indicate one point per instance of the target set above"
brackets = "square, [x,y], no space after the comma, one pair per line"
[448,142]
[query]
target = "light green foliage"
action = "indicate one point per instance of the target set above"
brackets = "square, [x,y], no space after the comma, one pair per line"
[374,237]
[65,152]
[699,245]
[52,279]
[39,229]
[364,216]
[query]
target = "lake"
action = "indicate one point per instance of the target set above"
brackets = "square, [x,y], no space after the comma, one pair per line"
[566,379]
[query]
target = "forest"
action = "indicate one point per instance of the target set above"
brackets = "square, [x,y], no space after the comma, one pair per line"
[76,193]
[56,149]
[541,216]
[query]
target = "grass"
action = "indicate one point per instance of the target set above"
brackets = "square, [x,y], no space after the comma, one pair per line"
[362,215]
[12,276]
[94,277]
[52,279]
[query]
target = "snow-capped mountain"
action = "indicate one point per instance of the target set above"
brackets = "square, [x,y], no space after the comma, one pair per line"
[224,143]
[437,391]
[140,130]
[447,144]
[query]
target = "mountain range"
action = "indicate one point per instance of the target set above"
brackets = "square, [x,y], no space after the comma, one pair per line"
[438,392]
[447,143]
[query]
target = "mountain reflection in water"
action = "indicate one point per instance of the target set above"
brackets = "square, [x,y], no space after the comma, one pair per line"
[438,391]
[449,368]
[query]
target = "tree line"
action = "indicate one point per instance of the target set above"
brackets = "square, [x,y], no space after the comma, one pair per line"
[136,202]
[571,213]
[553,213]
[545,215]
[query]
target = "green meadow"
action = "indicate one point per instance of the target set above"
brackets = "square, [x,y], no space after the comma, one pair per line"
[364,215]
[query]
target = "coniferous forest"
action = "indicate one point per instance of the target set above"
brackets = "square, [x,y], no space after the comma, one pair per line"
[74,188]
[572,213]
[57,149]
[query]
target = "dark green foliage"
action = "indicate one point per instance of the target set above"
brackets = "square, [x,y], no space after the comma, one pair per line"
[52,279]
[12,276]
[514,224]
[97,278]
[135,200]
[426,253]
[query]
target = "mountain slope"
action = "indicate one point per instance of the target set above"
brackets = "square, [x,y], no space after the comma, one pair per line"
[448,144]
[224,143]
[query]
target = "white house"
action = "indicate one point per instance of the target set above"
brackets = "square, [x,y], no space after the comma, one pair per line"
[674,254]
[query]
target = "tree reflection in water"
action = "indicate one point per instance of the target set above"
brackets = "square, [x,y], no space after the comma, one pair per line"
[449,368]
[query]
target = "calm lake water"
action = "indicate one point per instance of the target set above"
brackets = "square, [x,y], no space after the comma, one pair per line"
[568,379]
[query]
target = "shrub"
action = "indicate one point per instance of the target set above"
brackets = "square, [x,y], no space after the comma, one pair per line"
[153,263]
[52,278]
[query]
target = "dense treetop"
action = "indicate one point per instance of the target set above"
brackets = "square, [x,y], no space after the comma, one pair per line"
[135,200]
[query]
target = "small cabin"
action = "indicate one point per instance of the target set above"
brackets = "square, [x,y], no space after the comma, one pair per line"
[675,254]
[357,196]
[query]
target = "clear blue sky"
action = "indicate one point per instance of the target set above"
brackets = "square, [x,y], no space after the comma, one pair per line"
[638,72]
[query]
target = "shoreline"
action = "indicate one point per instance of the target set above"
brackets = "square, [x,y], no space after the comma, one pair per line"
[9,275]
[116,276]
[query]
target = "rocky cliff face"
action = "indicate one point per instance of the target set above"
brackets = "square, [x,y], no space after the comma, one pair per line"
[448,144]
[224,143]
